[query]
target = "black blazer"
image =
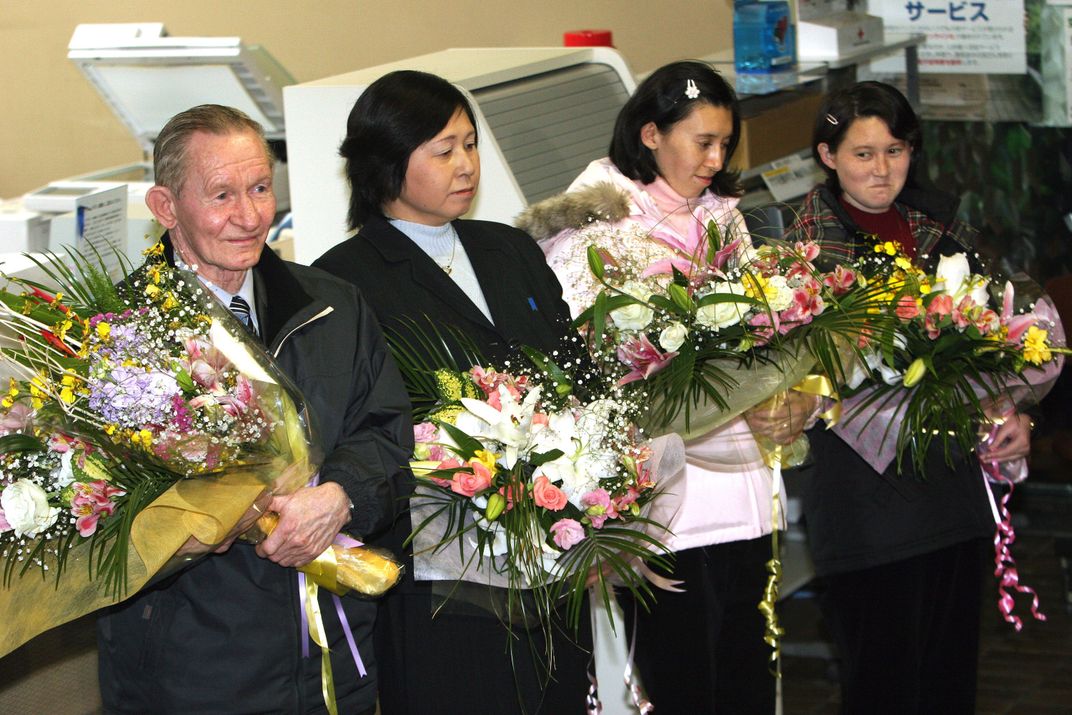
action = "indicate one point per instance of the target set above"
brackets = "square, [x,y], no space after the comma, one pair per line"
[416,654]
[399,280]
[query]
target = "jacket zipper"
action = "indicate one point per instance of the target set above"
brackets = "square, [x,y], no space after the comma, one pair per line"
[295,599]
[296,328]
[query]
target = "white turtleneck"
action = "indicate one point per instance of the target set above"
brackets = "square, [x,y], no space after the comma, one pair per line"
[442,245]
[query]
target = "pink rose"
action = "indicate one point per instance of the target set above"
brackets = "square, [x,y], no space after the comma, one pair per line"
[468,483]
[567,533]
[425,432]
[4,526]
[598,507]
[451,463]
[547,495]
[906,309]
[764,327]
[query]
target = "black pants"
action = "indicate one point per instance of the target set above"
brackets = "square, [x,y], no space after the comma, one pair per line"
[465,663]
[908,632]
[702,651]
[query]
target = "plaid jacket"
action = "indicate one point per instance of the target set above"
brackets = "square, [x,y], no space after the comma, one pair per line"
[824,220]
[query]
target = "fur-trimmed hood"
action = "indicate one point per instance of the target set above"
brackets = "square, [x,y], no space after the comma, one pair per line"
[574,209]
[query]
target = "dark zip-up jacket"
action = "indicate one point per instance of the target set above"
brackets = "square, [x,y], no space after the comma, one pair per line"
[223,636]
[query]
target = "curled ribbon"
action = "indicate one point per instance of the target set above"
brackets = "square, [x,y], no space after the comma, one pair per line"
[323,571]
[636,694]
[772,634]
[593,705]
[1004,537]
[315,621]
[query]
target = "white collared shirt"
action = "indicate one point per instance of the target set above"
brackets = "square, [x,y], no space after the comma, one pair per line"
[245,292]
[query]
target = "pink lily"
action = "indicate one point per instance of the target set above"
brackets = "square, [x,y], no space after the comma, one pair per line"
[644,358]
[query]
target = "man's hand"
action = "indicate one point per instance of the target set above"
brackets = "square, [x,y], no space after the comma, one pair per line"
[309,520]
[1012,440]
[782,418]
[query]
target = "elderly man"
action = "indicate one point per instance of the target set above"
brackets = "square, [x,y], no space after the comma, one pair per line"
[225,635]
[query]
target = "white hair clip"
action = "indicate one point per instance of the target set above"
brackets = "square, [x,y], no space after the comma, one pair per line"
[691,90]
[832,119]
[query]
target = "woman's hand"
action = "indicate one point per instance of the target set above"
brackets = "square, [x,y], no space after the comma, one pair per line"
[1012,440]
[782,418]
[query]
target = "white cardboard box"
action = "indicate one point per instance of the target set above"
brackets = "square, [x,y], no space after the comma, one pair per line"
[838,35]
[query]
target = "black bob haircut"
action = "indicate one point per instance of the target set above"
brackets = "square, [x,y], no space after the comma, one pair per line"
[864,99]
[392,117]
[661,99]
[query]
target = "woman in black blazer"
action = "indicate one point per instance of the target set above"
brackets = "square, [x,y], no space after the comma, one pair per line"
[413,167]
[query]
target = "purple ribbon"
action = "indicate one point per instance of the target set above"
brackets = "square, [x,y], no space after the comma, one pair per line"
[346,541]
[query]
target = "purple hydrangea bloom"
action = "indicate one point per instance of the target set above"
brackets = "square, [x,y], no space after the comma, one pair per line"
[132,397]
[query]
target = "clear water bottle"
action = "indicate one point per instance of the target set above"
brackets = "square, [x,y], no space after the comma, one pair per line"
[764,39]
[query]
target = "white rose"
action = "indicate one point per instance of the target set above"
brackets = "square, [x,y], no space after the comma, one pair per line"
[672,336]
[722,315]
[779,294]
[952,271]
[636,316]
[26,508]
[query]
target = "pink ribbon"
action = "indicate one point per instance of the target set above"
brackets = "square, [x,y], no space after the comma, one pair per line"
[1005,566]
[593,705]
[641,703]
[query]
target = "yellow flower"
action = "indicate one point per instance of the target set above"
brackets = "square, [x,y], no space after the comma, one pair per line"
[152,291]
[153,272]
[486,458]
[1036,351]
[103,330]
[12,393]
[109,429]
[67,390]
[156,249]
[60,329]
[142,438]
[38,390]
[169,301]
[756,286]
[903,263]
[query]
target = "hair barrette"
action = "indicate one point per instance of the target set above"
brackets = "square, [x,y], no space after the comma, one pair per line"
[691,90]
[832,119]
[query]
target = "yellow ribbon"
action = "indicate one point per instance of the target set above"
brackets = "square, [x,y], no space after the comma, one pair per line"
[317,633]
[324,571]
[772,633]
[821,386]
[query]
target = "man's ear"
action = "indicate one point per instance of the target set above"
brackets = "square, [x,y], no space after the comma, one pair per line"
[161,203]
[827,156]
[648,135]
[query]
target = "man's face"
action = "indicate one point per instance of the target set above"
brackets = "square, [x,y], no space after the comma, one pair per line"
[220,218]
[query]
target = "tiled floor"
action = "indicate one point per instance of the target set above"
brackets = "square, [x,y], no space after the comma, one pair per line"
[1025,673]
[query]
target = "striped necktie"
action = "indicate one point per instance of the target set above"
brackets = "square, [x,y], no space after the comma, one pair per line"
[240,308]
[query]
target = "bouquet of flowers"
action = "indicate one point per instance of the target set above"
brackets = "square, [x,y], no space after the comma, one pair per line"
[141,423]
[717,332]
[524,484]
[953,358]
